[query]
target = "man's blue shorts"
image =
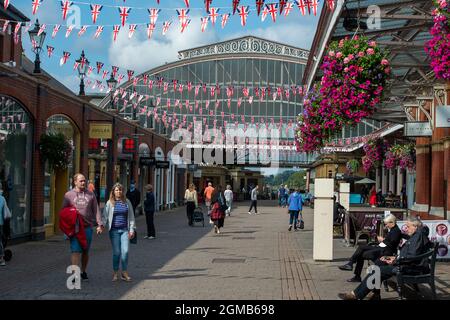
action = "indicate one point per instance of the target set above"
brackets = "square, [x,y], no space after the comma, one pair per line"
[75,244]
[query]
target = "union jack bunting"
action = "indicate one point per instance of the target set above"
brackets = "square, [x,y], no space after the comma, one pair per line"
[282,5]
[331,4]
[197,89]
[314,4]
[213,14]
[90,69]
[272,10]
[153,15]
[301,6]
[42,29]
[114,71]
[186,2]
[120,78]
[130,74]
[17,28]
[124,12]
[264,14]
[82,31]
[180,88]
[75,65]
[6,4]
[207,4]
[150,29]
[288,8]
[99,66]
[225,19]
[98,32]
[55,30]
[185,25]
[5,26]
[204,23]
[65,57]
[35,5]
[207,104]
[69,30]
[145,79]
[243,13]
[95,12]
[65,7]
[105,74]
[183,15]
[235,5]
[166,87]
[166,26]
[116,30]
[259,5]
[50,51]
[132,30]
[189,86]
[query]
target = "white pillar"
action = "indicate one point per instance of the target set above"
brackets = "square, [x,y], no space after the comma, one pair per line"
[323,220]
[410,184]
[377,178]
[391,180]
[399,181]
[384,180]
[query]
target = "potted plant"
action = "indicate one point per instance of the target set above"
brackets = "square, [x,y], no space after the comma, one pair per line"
[56,149]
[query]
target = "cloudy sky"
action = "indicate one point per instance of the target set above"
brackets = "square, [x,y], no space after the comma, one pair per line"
[139,53]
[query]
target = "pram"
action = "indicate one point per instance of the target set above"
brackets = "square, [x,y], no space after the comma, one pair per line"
[197,216]
[5,236]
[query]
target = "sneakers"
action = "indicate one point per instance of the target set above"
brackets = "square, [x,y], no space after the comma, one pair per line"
[2,262]
[115,276]
[151,237]
[125,277]
[216,229]
[146,237]
[84,276]
[290,227]
[249,212]
[346,267]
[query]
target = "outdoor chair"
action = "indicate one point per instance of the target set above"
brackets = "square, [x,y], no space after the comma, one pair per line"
[358,231]
[405,276]
[340,220]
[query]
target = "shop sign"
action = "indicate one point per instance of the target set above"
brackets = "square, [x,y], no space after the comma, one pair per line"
[443,117]
[128,146]
[192,167]
[162,164]
[417,129]
[147,161]
[100,130]
[198,174]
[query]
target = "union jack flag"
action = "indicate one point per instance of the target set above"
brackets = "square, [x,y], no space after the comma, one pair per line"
[132,30]
[180,88]
[272,10]
[150,29]
[116,30]
[197,89]
[183,15]
[98,32]
[65,7]
[288,8]
[65,57]
[174,82]
[69,30]
[301,6]
[124,12]
[130,74]
[99,66]
[75,65]
[243,13]
[166,26]
[204,23]
[225,19]
[189,86]
[331,4]
[114,71]
[55,30]
[50,51]
[82,31]
[282,5]
[120,78]
[314,4]
[36,4]
[105,74]
[90,69]
[42,29]
[213,14]
[259,5]
[17,28]
[264,14]
[185,25]
[153,15]
[186,2]
[235,5]
[6,4]
[95,12]
[207,4]
[5,25]
[150,84]
[166,87]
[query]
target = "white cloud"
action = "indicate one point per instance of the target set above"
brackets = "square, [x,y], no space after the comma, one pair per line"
[141,54]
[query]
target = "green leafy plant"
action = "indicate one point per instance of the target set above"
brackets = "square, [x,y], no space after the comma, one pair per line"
[56,149]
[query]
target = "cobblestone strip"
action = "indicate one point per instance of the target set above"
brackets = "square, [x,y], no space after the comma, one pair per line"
[296,281]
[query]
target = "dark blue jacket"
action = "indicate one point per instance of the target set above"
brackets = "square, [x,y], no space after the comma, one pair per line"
[149,203]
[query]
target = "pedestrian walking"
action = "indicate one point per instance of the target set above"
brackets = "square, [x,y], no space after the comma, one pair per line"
[364,193]
[86,204]
[373,197]
[228,199]
[207,195]
[281,199]
[295,204]
[119,216]
[254,198]
[190,196]
[134,195]
[218,209]
[4,215]
[149,209]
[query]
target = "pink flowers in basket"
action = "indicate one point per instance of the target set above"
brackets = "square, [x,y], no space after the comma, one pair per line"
[354,76]
[438,48]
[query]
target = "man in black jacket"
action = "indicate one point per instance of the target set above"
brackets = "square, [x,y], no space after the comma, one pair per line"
[417,244]
[149,209]
[387,247]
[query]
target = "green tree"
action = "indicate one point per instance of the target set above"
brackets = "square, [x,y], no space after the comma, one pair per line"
[297,180]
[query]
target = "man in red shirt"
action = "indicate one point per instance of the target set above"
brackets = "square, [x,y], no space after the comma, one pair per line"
[86,204]
[208,195]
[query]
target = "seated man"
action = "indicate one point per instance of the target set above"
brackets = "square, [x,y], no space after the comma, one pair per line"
[417,244]
[386,247]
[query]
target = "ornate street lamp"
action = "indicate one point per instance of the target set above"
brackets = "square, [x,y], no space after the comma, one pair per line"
[83,65]
[112,84]
[37,40]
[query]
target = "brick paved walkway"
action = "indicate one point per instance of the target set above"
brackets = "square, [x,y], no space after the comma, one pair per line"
[255,257]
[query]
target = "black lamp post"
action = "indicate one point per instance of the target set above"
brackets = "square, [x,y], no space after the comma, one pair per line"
[83,65]
[37,40]
[112,84]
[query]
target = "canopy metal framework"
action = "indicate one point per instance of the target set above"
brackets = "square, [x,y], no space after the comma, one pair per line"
[402,27]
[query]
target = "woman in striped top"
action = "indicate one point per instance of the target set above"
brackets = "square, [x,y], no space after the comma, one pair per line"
[119,216]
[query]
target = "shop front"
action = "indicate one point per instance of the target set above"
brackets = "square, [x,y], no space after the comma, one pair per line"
[16,148]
